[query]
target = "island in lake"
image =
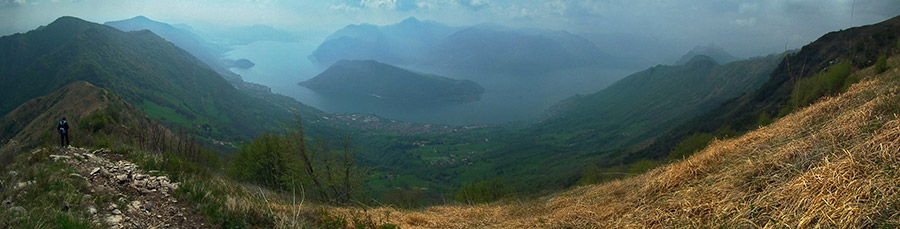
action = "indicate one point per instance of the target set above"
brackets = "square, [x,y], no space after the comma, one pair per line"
[370,78]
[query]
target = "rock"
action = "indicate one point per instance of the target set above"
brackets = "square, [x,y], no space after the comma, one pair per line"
[139,184]
[18,209]
[114,219]
[95,170]
[135,205]
[21,185]
[59,157]
[116,212]
[140,177]
[122,178]
[92,210]
[105,173]
[112,207]
[6,203]
[78,176]
[13,173]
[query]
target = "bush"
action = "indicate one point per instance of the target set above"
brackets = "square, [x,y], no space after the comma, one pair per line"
[287,163]
[482,191]
[808,90]
[690,145]
[763,119]
[265,161]
[881,64]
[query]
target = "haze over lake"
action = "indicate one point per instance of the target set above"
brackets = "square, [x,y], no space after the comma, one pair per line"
[281,65]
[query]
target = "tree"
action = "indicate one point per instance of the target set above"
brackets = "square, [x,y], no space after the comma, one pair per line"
[288,163]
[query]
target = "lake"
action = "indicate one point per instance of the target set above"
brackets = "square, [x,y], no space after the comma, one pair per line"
[281,65]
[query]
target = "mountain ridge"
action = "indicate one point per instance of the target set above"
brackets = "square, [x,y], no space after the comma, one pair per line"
[165,81]
[713,51]
[773,98]
[207,52]
[430,44]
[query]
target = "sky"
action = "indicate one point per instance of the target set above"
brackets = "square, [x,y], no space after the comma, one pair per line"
[745,28]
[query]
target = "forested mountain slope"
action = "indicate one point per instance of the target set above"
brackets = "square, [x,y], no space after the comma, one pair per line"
[162,80]
[831,164]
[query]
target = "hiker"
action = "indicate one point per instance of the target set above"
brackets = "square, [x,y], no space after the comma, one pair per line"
[63,132]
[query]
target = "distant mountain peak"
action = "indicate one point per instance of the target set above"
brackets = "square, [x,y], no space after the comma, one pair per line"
[67,18]
[66,21]
[702,59]
[140,17]
[714,51]
[410,20]
[710,46]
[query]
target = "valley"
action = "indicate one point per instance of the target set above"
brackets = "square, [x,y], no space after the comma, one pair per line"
[402,117]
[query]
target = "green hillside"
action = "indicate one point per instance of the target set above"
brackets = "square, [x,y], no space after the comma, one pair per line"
[204,51]
[605,126]
[597,129]
[85,107]
[166,82]
[853,48]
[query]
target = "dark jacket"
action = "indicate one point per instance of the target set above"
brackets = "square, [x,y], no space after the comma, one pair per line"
[63,127]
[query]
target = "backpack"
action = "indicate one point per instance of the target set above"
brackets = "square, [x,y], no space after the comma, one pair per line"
[61,129]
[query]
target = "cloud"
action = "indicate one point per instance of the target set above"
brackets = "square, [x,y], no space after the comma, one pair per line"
[749,27]
[383,4]
[744,21]
[473,4]
[556,7]
[407,5]
[11,3]
[349,5]
[748,7]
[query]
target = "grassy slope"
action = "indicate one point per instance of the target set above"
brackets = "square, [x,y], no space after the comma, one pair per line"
[867,44]
[832,163]
[58,197]
[604,126]
[35,121]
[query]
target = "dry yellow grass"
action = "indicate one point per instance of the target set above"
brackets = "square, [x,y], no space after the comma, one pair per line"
[835,163]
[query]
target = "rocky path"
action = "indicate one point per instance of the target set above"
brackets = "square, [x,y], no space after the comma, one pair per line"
[146,201]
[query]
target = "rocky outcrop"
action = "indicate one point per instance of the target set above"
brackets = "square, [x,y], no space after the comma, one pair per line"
[146,196]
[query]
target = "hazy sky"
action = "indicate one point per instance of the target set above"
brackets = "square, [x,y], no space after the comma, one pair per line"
[744,27]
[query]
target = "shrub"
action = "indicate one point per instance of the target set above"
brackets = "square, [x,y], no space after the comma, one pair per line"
[763,119]
[881,64]
[833,80]
[287,163]
[265,161]
[482,191]
[689,145]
